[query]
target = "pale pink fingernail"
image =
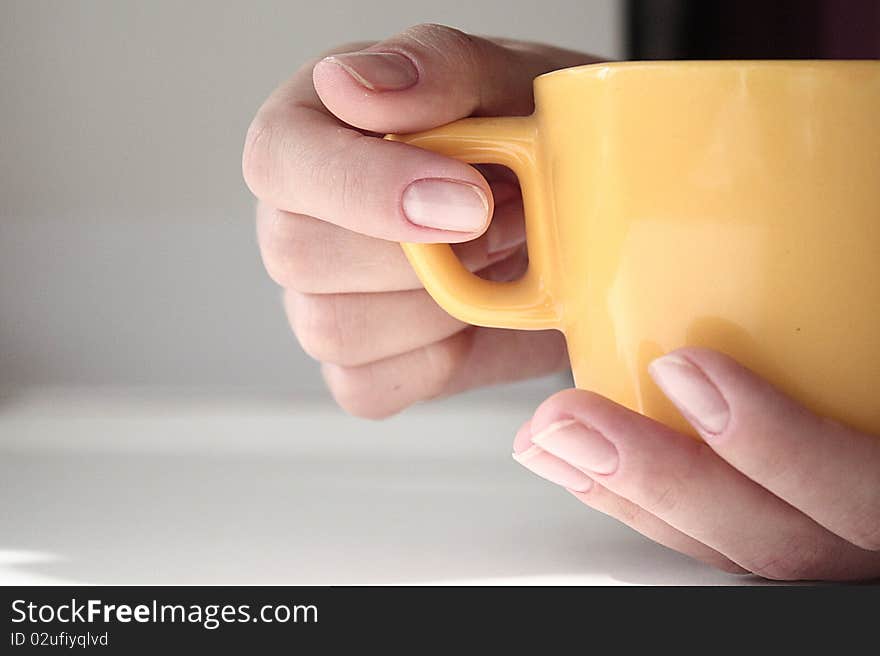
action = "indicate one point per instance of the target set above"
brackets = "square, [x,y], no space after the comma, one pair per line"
[579,446]
[548,466]
[377,71]
[692,392]
[446,205]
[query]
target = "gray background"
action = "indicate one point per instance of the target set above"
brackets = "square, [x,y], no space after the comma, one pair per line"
[127,253]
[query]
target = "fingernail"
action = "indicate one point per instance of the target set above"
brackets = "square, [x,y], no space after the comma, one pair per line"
[378,71]
[582,447]
[548,466]
[446,204]
[692,392]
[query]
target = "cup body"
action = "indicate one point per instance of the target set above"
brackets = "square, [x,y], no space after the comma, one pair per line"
[732,205]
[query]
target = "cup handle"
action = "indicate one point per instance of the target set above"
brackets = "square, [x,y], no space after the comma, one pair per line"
[524,303]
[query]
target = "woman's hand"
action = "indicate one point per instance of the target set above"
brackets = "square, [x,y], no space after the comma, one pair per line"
[774,489]
[334,199]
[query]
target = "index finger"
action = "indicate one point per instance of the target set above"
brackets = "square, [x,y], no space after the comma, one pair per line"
[301,159]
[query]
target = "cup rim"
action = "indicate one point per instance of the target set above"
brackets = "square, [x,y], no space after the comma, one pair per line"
[602,69]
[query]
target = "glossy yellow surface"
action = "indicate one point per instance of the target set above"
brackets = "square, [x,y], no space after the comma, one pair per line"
[734,205]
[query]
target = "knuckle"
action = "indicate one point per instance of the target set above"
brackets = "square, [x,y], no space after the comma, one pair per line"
[866,532]
[666,489]
[438,36]
[256,160]
[320,326]
[798,558]
[630,513]
[444,43]
[347,175]
[352,389]
[288,255]
[664,499]
[340,171]
[444,360]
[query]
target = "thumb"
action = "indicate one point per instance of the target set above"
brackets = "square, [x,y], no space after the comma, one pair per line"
[430,75]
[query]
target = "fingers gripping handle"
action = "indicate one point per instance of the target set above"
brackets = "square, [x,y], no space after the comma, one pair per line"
[524,303]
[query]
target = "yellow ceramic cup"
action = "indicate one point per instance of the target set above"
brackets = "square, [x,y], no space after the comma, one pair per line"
[733,205]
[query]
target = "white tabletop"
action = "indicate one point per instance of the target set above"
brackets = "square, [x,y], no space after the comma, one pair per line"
[134,487]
